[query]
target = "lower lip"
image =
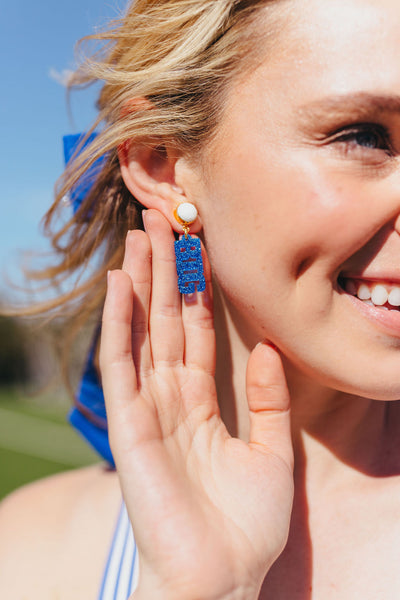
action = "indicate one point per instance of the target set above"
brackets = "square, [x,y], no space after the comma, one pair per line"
[389,320]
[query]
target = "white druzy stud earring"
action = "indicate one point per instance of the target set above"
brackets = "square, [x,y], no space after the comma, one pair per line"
[186,212]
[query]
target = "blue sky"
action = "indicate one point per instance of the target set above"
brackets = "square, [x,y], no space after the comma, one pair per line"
[36,46]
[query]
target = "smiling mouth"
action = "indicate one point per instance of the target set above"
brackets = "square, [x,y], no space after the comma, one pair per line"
[379,294]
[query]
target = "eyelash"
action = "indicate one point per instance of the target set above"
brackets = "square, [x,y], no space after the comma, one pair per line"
[351,138]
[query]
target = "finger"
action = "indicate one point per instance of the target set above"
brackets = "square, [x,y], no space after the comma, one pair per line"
[166,330]
[269,403]
[137,264]
[198,324]
[116,362]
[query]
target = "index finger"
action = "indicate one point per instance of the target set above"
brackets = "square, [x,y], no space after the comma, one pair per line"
[116,361]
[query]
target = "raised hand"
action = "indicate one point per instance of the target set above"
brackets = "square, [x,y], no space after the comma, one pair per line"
[210,512]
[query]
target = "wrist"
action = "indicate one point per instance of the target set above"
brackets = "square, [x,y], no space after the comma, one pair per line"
[210,587]
[147,592]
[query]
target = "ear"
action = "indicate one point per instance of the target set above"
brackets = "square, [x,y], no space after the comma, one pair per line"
[154,174]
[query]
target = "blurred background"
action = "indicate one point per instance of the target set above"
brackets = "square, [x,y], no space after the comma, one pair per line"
[36,53]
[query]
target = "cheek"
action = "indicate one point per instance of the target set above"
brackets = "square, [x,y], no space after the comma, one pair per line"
[276,244]
[276,222]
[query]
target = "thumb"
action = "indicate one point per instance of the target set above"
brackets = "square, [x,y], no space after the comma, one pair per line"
[269,403]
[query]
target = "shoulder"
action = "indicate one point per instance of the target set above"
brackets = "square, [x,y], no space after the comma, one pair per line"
[54,534]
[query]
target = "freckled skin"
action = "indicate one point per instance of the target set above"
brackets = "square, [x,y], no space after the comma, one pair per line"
[307,206]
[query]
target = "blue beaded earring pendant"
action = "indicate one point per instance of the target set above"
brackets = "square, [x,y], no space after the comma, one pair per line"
[189,263]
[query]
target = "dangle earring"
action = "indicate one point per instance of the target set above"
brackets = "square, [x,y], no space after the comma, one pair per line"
[189,263]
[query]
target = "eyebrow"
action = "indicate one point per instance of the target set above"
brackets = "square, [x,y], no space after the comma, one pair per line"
[359,106]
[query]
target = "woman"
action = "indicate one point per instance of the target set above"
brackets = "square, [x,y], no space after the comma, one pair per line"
[280,122]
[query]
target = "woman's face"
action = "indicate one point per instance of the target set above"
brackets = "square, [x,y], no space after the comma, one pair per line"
[301,198]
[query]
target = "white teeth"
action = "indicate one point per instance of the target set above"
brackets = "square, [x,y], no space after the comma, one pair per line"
[363,292]
[379,295]
[394,297]
[375,294]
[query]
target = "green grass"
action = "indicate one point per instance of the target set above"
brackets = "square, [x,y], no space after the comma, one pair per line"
[18,469]
[53,405]
[35,439]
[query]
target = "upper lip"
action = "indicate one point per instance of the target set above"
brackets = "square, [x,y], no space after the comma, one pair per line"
[373,277]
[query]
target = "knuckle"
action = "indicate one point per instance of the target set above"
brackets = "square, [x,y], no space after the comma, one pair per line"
[168,311]
[206,323]
[120,357]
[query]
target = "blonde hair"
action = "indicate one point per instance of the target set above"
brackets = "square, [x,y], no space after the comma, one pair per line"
[180,55]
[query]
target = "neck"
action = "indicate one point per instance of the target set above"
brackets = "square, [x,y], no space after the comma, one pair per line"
[332,431]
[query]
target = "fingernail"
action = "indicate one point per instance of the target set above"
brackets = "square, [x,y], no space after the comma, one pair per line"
[190,298]
[267,343]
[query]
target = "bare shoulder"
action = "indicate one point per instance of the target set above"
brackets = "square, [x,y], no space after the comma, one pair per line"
[54,535]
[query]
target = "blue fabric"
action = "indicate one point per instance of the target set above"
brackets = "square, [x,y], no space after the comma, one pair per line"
[88,416]
[90,394]
[96,437]
[81,189]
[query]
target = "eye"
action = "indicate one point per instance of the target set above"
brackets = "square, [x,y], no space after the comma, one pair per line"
[364,138]
[368,139]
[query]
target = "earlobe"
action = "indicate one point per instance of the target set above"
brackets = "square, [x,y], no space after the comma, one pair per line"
[149,174]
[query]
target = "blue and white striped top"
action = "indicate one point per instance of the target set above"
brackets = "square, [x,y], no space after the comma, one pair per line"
[122,567]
